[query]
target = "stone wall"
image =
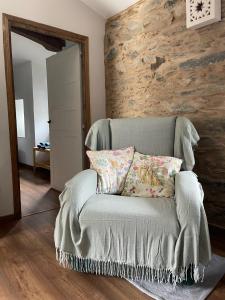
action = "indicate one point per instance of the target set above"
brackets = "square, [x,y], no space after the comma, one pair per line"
[157,67]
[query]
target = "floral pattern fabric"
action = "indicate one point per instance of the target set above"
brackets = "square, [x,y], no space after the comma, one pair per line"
[151,176]
[112,167]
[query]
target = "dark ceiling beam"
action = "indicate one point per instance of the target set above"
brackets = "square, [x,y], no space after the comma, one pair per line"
[49,42]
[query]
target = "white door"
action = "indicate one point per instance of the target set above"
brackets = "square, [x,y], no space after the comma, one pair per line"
[65,114]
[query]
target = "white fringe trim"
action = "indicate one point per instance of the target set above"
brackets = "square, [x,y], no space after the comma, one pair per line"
[123,270]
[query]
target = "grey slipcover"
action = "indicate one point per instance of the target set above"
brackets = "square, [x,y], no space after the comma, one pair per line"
[138,238]
[99,136]
[129,227]
[153,136]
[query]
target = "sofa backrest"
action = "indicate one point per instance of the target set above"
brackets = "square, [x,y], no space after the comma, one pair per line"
[153,135]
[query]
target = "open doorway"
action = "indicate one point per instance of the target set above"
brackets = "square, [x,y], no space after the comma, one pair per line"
[49,110]
[32,115]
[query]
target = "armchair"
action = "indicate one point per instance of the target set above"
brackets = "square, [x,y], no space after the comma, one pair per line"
[134,237]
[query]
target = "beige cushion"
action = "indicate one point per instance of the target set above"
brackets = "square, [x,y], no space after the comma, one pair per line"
[151,176]
[112,167]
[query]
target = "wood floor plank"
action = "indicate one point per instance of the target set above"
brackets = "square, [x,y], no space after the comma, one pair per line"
[36,192]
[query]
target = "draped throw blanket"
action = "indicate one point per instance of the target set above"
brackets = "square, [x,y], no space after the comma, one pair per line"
[98,137]
[186,137]
[136,238]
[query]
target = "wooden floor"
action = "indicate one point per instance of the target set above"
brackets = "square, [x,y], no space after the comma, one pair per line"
[28,269]
[36,193]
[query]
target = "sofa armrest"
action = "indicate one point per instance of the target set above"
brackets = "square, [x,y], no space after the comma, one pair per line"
[193,240]
[189,196]
[76,193]
[80,188]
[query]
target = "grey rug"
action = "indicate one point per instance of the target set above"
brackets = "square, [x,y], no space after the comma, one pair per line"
[213,273]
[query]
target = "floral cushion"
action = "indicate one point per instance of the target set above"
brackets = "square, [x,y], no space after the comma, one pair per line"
[151,176]
[112,167]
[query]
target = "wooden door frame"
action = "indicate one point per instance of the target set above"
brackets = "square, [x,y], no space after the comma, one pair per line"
[12,21]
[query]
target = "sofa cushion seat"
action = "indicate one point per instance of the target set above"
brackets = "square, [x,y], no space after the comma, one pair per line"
[142,220]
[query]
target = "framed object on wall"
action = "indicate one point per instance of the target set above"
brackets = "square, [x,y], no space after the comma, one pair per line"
[200,13]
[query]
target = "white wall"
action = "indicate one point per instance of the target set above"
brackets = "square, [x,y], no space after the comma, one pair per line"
[24,90]
[70,15]
[40,96]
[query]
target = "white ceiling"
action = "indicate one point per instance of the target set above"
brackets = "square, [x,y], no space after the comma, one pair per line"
[24,50]
[108,8]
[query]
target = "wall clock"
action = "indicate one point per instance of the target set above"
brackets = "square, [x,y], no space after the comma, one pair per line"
[202,12]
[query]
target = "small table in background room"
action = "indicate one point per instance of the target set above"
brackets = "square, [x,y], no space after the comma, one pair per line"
[45,164]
